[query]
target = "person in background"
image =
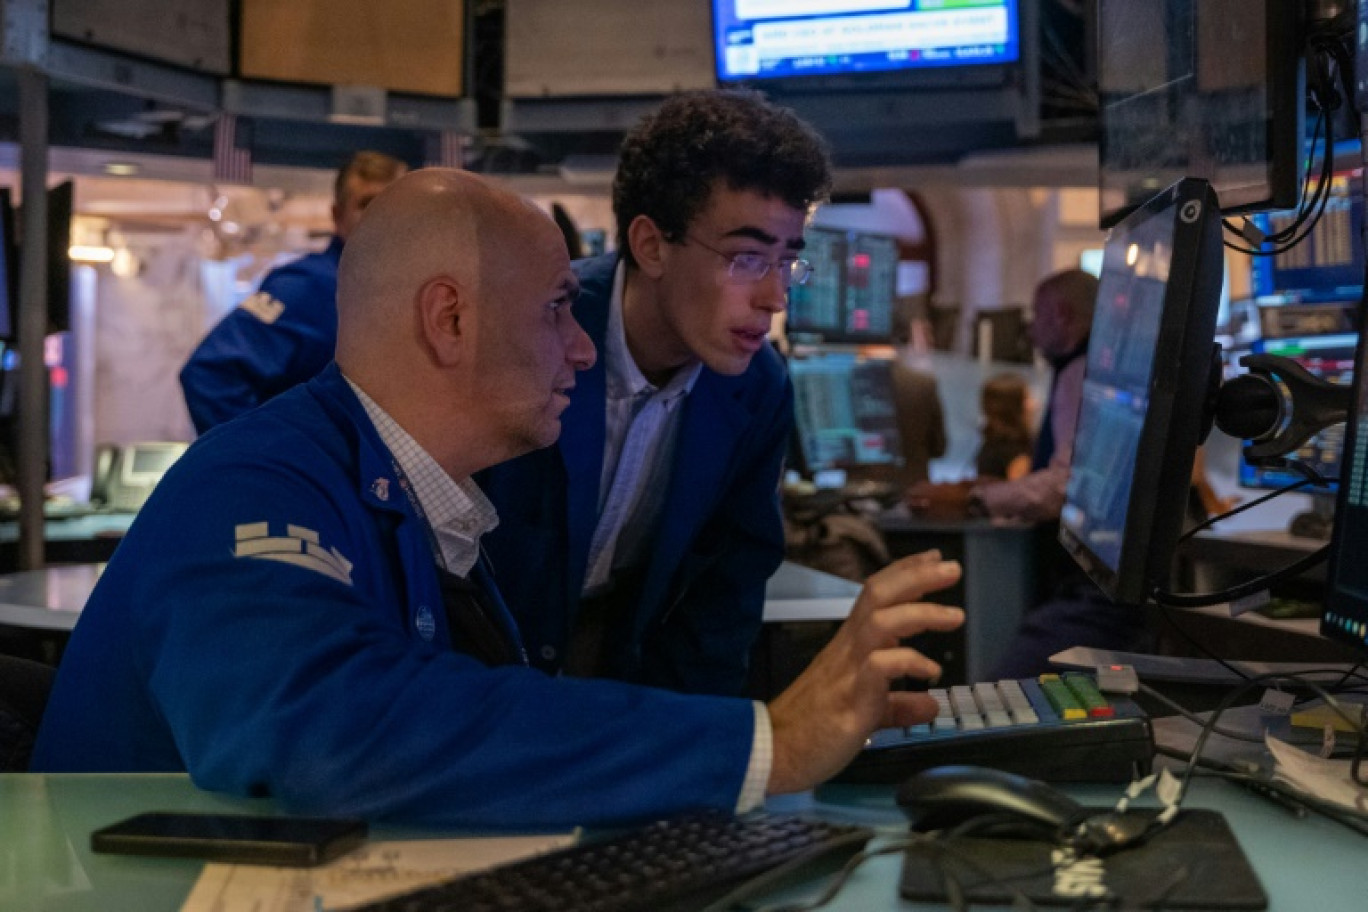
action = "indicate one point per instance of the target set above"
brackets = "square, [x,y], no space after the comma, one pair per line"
[284,333]
[1005,453]
[1062,315]
[921,420]
[301,611]
[655,521]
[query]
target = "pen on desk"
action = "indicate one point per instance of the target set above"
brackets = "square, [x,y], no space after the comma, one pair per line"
[1265,790]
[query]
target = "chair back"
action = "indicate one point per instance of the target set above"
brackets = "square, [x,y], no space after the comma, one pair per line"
[24,689]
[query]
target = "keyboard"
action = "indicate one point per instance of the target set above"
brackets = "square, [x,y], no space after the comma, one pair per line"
[682,863]
[1056,728]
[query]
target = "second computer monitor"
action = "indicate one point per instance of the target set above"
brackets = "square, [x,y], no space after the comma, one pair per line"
[845,414]
[1143,412]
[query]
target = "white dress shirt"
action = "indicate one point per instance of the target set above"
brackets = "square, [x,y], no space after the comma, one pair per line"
[458,513]
[640,430]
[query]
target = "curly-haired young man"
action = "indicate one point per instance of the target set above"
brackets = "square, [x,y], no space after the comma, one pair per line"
[654,523]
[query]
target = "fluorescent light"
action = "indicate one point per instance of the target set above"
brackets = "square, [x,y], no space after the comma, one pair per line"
[85,253]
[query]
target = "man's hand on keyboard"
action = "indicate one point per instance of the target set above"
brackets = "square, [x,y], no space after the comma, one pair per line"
[821,721]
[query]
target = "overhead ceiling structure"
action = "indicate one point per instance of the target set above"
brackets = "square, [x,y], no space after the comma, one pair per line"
[151,100]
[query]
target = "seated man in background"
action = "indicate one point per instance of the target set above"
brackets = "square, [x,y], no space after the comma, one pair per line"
[286,331]
[1061,320]
[655,522]
[301,612]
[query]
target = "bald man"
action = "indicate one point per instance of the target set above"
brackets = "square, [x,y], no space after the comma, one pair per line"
[300,610]
[1062,313]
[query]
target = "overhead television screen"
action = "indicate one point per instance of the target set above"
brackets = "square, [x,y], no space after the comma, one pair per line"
[775,39]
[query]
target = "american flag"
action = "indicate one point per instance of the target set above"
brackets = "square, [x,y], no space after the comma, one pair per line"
[232,156]
[445,150]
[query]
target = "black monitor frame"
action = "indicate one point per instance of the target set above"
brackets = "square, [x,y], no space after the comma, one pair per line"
[1176,416]
[1344,618]
[1283,129]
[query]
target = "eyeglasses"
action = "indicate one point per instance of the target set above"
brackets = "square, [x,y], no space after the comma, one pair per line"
[747,267]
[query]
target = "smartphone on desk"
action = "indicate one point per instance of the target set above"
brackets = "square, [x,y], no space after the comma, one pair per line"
[234,838]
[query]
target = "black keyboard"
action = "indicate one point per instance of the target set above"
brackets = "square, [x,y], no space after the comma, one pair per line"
[681,863]
[1056,728]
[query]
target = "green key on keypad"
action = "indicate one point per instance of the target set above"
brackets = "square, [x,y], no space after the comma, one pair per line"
[1092,699]
[1062,698]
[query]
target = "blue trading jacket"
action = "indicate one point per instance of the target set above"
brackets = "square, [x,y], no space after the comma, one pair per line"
[272,624]
[279,337]
[700,604]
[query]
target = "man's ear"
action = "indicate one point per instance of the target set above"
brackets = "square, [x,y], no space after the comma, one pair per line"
[648,246]
[445,314]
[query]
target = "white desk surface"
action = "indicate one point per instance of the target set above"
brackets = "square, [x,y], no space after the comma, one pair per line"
[52,598]
[47,599]
[798,593]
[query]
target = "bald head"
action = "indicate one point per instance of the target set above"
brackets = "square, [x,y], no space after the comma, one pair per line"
[1063,311]
[434,222]
[453,315]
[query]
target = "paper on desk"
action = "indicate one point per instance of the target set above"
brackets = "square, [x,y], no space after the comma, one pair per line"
[367,874]
[1325,779]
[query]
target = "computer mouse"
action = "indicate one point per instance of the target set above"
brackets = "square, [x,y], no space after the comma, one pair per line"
[987,802]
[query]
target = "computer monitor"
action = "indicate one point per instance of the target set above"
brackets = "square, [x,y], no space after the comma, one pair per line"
[783,39]
[1200,88]
[1328,266]
[850,296]
[1144,392]
[1330,357]
[845,414]
[1345,615]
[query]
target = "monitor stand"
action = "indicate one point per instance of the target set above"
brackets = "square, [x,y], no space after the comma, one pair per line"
[1315,523]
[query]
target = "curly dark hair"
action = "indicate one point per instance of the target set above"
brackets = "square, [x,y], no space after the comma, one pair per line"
[670,161]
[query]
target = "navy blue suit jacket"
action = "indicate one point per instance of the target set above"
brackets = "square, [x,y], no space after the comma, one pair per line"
[699,604]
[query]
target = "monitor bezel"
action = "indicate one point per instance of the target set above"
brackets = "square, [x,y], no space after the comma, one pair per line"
[1334,596]
[1177,417]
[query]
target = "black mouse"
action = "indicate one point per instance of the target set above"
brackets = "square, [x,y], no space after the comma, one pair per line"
[987,802]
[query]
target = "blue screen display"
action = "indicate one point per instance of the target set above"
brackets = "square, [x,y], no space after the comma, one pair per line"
[1326,267]
[1116,394]
[765,39]
[844,410]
